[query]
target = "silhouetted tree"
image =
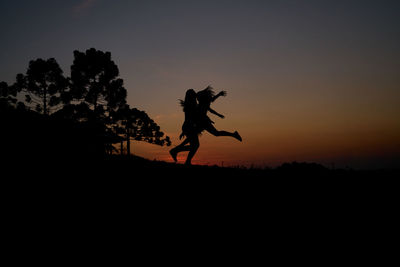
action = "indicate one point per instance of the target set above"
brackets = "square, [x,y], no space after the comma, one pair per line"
[44,84]
[94,81]
[135,124]
[83,116]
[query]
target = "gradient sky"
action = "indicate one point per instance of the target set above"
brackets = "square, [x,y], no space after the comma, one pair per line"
[306,80]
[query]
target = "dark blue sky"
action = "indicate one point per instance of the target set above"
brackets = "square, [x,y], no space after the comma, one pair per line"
[305,70]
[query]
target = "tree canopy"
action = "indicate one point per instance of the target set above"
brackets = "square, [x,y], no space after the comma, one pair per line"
[43,84]
[95,81]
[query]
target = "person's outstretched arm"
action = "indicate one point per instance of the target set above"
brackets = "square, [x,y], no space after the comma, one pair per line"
[216,113]
[222,93]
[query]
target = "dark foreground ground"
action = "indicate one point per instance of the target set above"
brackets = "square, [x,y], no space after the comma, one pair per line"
[124,173]
[159,200]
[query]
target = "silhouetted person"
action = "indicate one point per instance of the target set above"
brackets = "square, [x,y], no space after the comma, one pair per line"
[205,98]
[190,128]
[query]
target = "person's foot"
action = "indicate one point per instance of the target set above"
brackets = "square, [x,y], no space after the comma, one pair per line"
[173,154]
[237,136]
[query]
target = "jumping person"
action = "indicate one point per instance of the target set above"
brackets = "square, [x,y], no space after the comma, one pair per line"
[190,128]
[205,98]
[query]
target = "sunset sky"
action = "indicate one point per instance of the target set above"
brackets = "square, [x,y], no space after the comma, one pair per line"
[315,81]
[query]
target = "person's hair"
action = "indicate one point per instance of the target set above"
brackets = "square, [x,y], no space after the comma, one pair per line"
[190,99]
[206,95]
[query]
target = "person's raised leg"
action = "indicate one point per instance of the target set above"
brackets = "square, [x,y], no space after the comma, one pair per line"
[212,130]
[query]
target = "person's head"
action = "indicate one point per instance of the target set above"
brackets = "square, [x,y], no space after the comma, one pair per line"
[190,96]
[190,99]
[206,95]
